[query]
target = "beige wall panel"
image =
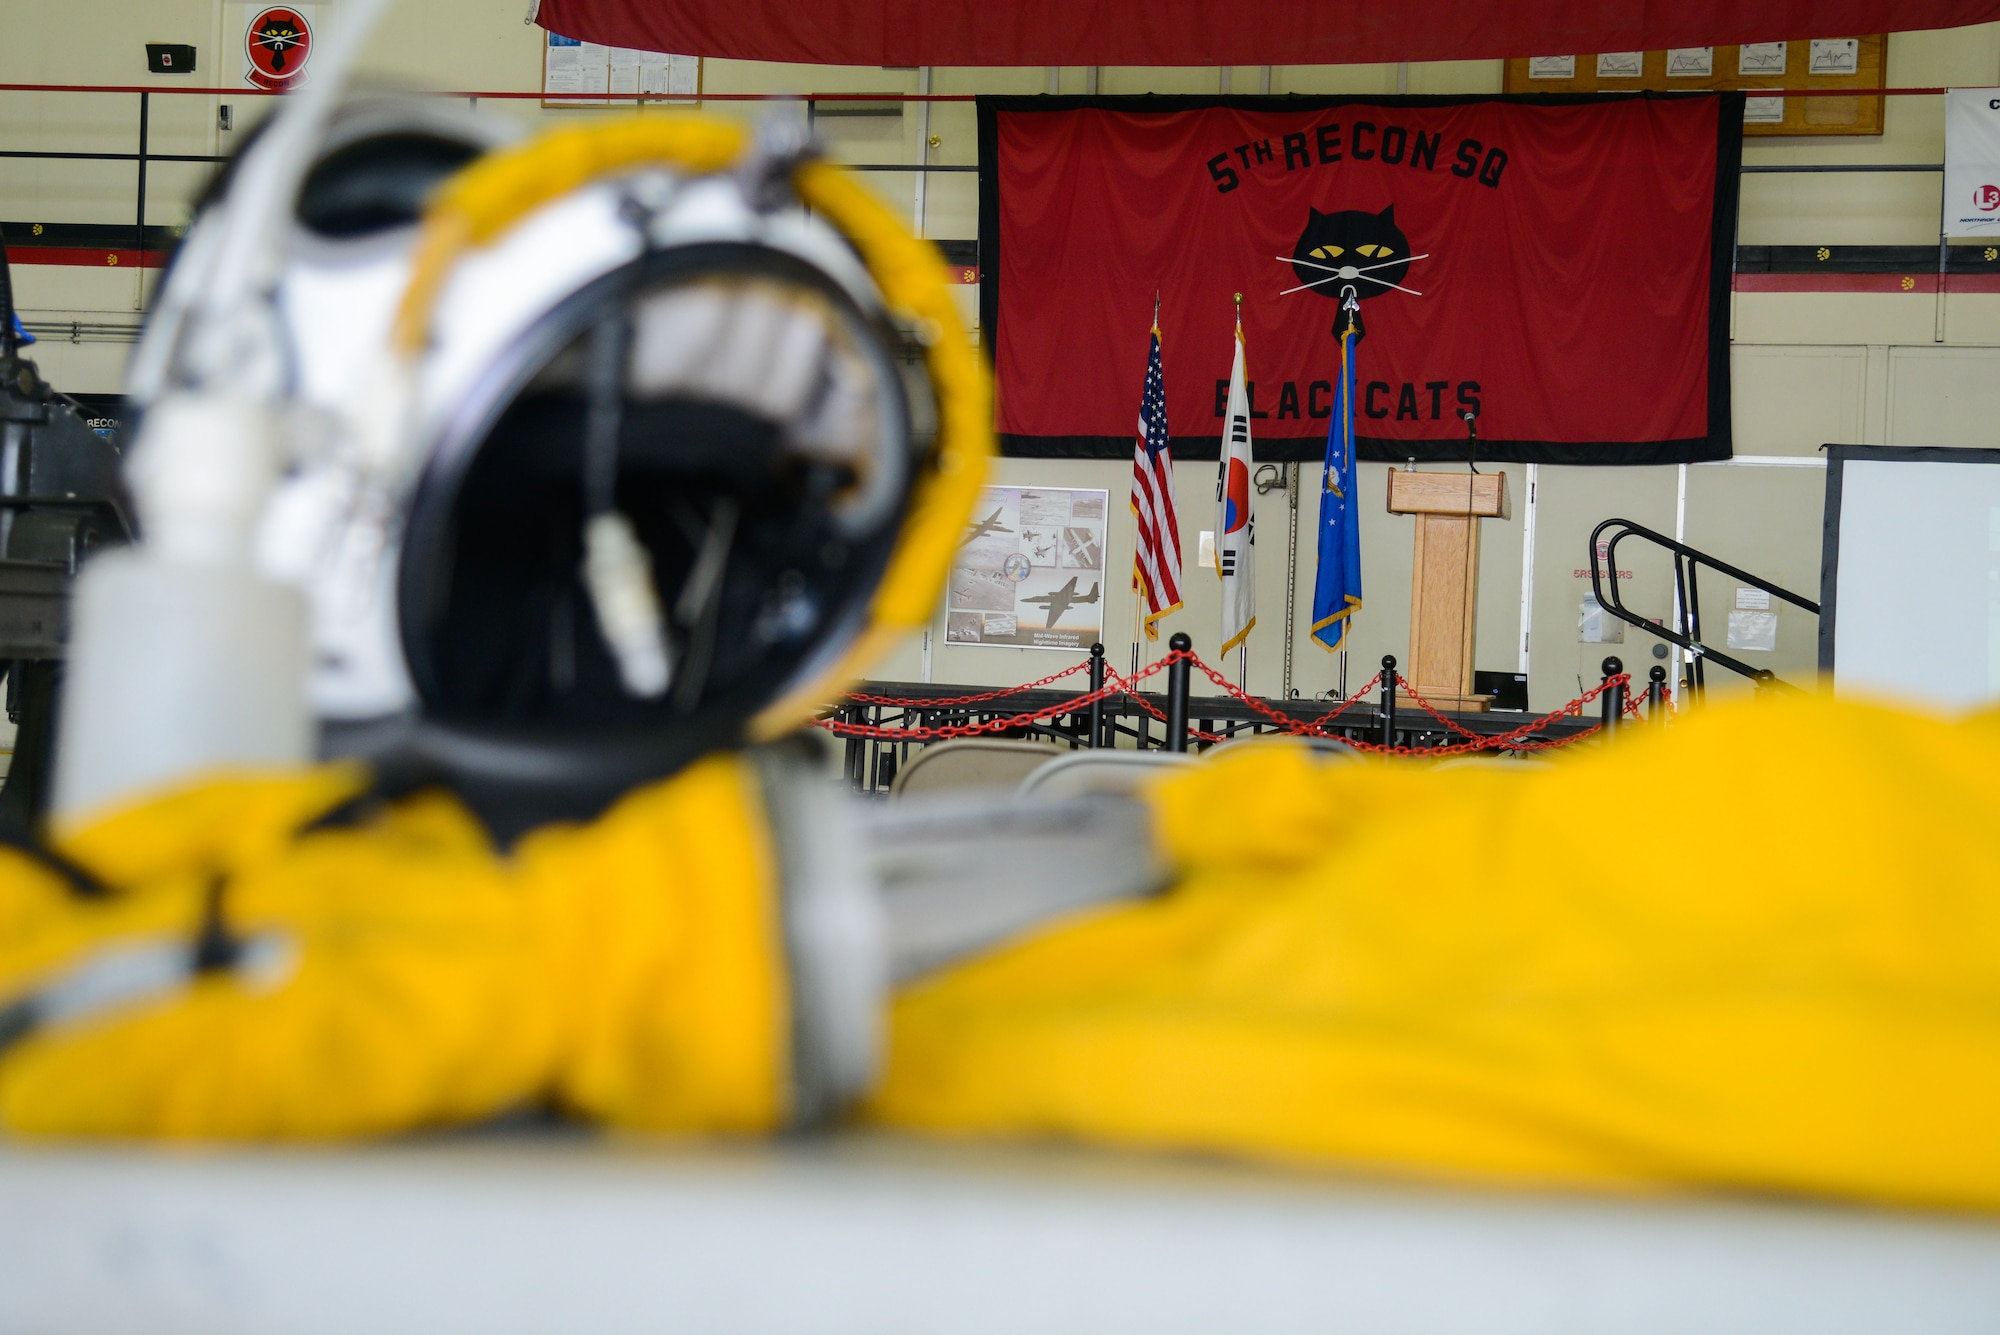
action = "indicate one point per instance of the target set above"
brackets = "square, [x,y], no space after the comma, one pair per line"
[769,76]
[81,368]
[1371,80]
[1767,521]
[1457,76]
[1944,397]
[63,43]
[457,44]
[1572,502]
[58,291]
[1972,318]
[1835,317]
[1841,208]
[1883,208]
[1126,79]
[1792,400]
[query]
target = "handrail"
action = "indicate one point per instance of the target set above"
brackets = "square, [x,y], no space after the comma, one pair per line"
[1687,563]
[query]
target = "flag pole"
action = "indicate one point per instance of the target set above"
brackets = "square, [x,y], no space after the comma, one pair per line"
[1243,649]
[1138,603]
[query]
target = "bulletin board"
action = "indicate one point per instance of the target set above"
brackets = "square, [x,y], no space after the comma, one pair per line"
[579,74]
[1847,63]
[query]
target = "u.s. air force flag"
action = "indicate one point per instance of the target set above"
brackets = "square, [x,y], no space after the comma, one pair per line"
[1337,586]
[1235,533]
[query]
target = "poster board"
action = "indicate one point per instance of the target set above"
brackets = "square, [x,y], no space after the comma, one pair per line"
[1030,572]
[1972,162]
[1855,63]
[580,74]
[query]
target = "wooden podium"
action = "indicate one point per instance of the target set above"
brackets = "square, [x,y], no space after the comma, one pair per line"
[1444,578]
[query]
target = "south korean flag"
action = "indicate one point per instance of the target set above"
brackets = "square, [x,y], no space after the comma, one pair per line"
[1235,531]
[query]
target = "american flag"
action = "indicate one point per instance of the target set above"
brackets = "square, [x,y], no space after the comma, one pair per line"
[1156,559]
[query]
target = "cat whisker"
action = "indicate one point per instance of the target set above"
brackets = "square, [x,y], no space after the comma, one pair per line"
[1317,282]
[1334,268]
[1386,283]
[1333,278]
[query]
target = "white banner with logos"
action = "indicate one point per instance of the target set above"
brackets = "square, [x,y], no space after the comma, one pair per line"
[1972,162]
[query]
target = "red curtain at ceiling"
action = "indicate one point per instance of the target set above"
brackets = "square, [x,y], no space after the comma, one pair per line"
[1219,32]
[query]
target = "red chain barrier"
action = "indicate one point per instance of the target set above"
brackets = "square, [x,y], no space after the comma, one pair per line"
[948,701]
[1515,740]
[1111,674]
[1116,683]
[1367,688]
[874,733]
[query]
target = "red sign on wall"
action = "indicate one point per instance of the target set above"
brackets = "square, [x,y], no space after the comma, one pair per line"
[1557,266]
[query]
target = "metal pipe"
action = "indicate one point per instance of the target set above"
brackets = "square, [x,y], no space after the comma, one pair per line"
[145,119]
[1291,544]
[1177,692]
[1844,167]
[1388,699]
[111,157]
[774,97]
[1096,685]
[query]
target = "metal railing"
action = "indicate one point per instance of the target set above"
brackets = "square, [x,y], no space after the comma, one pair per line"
[1687,593]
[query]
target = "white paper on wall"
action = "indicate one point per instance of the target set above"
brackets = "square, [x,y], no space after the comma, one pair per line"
[1594,625]
[1753,630]
[573,67]
[1761,58]
[624,66]
[1836,55]
[1690,62]
[1620,64]
[1763,110]
[1551,67]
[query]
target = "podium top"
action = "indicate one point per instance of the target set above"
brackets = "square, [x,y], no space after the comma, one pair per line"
[1481,495]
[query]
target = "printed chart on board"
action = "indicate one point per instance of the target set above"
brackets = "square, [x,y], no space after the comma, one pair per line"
[1030,571]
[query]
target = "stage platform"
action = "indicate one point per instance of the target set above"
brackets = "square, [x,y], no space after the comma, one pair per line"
[566,1231]
[1135,726]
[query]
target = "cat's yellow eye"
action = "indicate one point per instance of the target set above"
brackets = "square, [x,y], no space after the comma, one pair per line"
[1372,251]
[1331,252]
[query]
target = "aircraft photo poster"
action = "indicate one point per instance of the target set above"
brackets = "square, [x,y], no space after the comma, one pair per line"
[1029,573]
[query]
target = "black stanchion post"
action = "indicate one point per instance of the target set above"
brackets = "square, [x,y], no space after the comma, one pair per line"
[1388,699]
[1611,704]
[1656,685]
[1177,694]
[1096,706]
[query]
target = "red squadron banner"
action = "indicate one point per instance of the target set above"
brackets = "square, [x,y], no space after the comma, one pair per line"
[1556,266]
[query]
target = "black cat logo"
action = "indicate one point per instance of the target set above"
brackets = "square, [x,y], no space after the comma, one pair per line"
[1352,249]
[279,43]
[278,35]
